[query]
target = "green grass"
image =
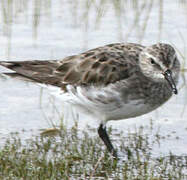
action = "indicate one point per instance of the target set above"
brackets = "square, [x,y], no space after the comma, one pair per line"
[78,155]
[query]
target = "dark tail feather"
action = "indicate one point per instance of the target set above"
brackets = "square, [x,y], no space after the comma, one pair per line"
[34,71]
[30,67]
[6,64]
[19,76]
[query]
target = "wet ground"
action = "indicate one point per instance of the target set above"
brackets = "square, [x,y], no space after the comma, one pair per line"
[53,30]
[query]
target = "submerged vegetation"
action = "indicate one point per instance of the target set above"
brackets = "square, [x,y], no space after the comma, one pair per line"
[79,155]
[36,12]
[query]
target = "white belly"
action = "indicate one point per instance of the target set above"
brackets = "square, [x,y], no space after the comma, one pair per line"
[104,104]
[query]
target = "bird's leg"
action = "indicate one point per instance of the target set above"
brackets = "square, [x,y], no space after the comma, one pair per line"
[104,136]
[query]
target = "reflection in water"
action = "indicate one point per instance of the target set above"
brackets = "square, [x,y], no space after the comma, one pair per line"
[133,14]
[7,19]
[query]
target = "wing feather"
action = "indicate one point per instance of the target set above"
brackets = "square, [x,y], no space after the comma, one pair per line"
[99,66]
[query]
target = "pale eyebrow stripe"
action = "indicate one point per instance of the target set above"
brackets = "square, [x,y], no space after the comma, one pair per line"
[150,56]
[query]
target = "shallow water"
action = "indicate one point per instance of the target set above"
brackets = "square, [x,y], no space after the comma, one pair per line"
[55,29]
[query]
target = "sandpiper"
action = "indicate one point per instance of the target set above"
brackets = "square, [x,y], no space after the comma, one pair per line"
[113,82]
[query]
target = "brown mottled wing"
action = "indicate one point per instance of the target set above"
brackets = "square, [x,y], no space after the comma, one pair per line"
[98,66]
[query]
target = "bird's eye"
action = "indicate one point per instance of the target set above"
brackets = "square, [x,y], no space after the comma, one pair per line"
[152,61]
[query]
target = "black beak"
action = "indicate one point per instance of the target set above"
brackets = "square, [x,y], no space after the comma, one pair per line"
[168,77]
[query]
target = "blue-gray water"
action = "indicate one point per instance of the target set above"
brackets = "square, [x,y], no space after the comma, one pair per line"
[56,29]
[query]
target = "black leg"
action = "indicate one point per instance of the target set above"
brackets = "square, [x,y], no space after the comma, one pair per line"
[104,136]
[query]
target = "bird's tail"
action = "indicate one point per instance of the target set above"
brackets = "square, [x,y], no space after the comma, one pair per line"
[34,71]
